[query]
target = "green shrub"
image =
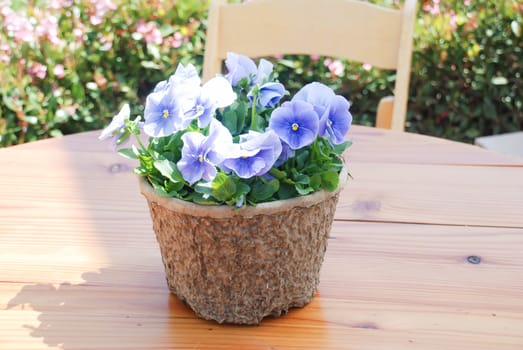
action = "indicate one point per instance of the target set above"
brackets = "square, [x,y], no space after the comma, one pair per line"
[466,71]
[68,65]
[465,82]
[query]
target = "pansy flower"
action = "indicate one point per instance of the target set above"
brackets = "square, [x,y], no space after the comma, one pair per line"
[332,110]
[296,123]
[176,102]
[254,155]
[116,129]
[201,154]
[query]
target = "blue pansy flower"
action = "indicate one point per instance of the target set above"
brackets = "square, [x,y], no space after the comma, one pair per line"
[332,109]
[239,67]
[175,103]
[116,129]
[263,72]
[317,94]
[254,155]
[286,153]
[201,154]
[163,115]
[269,94]
[336,122]
[296,123]
[186,74]
[216,93]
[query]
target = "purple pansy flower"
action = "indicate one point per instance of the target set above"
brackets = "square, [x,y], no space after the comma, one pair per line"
[115,129]
[239,67]
[332,109]
[317,94]
[296,123]
[254,155]
[201,154]
[186,74]
[263,72]
[163,115]
[286,153]
[216,93]
[269,94]
[336,122]
[175,103]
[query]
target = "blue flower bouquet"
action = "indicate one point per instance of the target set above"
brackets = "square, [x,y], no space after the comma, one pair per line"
[242,183]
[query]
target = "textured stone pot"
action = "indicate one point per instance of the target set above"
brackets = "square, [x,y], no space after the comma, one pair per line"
[238,266]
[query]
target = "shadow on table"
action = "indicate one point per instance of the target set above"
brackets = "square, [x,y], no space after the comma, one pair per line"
[133,316]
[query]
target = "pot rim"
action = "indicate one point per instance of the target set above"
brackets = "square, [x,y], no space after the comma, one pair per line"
[226,211]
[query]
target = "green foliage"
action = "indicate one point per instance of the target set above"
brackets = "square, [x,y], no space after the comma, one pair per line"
[109,56]
[466,71]
[465,82]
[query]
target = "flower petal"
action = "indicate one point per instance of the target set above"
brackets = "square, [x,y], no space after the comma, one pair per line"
[219,90]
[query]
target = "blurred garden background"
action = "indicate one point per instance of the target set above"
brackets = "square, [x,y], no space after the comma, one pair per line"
[68,65]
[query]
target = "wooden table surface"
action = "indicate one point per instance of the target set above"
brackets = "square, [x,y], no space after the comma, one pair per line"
[426,253]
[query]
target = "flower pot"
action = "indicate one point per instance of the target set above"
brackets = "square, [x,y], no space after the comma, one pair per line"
[240,265]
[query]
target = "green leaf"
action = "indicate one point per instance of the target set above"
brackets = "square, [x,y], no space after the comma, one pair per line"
[330,180]
[261,191]
[286,191]
[315,182]
[301,158]
[230,121]
[169,170]
[303,189]
[204,188]
[223,187]
[127,153]
[279,174]
[339,149]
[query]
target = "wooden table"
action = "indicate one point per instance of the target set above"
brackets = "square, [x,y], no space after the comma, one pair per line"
[426,253]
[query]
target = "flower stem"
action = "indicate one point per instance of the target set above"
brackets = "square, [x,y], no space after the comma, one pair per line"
[253,112]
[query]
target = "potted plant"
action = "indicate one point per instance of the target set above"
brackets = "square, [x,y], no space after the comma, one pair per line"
[242,183]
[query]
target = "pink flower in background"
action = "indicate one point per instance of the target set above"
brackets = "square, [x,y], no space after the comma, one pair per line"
[18,26]
[5,53]
[315,57]
[432,8]
[367,66]
[177,40]
[38,70]
[149,32]
[335,67]
[59,71]
[48,27]
[60,4]
[453,21]
[79,32]
[466,2]
[107,42]
[101,7]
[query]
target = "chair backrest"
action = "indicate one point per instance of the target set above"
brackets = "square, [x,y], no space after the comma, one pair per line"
[351,29]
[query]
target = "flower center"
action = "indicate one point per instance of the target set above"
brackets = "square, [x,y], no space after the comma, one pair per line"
[199,109]
[200,158]
[329,122]
[165,113]
[295,127]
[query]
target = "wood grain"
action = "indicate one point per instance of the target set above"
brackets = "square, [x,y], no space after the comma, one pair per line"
[80,267]
[384,286]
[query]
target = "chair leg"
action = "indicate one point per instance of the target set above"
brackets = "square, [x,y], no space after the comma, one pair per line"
[384,113]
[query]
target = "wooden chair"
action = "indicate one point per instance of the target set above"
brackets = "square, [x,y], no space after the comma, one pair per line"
[351,29]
